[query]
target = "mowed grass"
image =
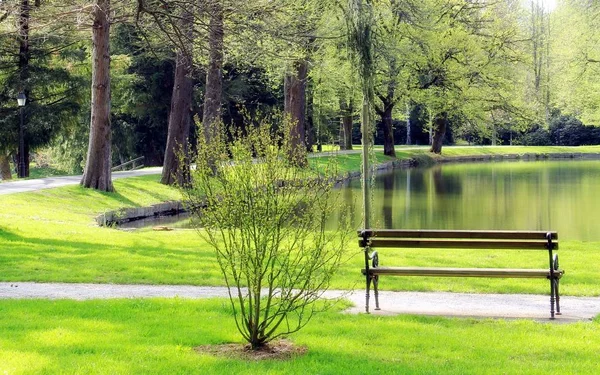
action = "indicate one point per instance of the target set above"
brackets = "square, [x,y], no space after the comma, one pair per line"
[517,150]
[158,336]
[51,236]
[344,163]
[351,162]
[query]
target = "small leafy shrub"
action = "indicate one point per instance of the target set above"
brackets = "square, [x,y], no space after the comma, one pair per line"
[265,218]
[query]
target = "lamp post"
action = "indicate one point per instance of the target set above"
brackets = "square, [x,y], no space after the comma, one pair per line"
[21,100]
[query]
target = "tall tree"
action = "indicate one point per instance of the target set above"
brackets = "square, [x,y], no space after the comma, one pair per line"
[346,123]
[361,21]
[459,63]
[97,173]
[176,165]
[388,101]
[295,107]
[24,57]
[212,115]
[43,65]
[576,59]
[540,48]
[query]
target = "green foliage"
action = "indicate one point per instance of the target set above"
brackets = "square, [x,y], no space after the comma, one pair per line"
[266,218]
[575,59]
[569,131]
[142,85]
[361,41]
[55,89]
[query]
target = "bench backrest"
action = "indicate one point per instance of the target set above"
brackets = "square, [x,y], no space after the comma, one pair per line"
[458,239]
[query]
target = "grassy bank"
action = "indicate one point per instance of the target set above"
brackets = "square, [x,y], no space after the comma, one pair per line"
[351,162]
[159,336]
[50,236]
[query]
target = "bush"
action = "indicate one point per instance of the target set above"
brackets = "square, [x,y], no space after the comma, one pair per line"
[265,218]
[537,137]
[569,131]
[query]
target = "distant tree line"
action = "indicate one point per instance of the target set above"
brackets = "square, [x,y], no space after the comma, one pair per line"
[110,80]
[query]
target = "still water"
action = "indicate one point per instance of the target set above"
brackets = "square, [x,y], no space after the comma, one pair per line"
[546,195]
[563,196]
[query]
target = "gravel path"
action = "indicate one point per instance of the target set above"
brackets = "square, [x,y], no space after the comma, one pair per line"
[445,304]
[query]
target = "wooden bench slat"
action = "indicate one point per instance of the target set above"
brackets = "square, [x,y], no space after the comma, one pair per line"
[464,272]
[454,244]
[474,234]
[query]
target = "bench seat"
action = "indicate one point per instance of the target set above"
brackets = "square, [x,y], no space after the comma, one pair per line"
[465,272]
[460,240]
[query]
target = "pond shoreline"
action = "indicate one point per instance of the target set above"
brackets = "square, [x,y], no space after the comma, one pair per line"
[170,208]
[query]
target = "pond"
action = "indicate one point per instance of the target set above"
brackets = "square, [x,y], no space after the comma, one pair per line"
[563,196]
[545,195]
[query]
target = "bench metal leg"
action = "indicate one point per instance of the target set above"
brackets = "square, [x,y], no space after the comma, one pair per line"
[552,294]
[376,289]
[367,294]
[557,292]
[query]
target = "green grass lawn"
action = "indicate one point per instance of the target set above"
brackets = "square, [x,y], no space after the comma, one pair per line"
[344,163]
[158,336]
[50,236]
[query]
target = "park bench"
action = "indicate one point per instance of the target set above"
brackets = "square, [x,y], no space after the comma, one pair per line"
[460,239]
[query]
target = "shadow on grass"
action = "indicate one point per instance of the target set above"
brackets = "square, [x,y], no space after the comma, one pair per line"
[128,259]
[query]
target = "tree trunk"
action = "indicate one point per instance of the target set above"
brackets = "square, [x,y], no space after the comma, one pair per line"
[214,76]
[386,122]
[346,125]
[295,109]
[310,123]
[430,128]
[439,132]
[5,173]
[24,57]
[176,167]
[408,127]
[97,174]
[388,131]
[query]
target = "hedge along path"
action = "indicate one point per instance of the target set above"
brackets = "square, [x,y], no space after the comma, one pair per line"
[514,306]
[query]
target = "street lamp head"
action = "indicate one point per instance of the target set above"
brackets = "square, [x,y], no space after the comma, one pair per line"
[21,99]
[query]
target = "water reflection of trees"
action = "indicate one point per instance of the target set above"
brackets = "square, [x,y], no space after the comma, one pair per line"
[514,196]
[446,183]
[388,200]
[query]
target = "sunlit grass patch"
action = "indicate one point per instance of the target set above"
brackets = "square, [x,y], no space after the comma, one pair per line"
[158,336]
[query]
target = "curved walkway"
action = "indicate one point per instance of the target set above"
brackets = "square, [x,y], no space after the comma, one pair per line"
[21,186]
[512,306]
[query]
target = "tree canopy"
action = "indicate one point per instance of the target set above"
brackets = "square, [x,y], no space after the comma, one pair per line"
[484,72]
